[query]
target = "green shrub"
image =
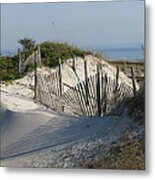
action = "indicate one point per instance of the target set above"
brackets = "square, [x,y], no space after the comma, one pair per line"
[7,68]
[52,51]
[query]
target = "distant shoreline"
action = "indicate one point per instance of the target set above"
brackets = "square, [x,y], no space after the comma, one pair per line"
[130,61]
[115,54]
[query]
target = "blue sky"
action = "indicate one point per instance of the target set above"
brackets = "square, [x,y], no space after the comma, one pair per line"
[81,24]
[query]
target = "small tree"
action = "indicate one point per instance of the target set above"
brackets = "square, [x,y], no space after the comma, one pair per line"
[27,43]
[28,46]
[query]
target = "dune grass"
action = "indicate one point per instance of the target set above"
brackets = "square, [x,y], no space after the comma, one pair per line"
[129,156]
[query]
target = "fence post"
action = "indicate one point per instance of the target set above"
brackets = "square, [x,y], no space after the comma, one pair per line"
[98,90]
[117,75]
[105,94]
[19,62]
[35,77]
[124,66]
[133,81]
[73,63]
[86,81]
[117,78]
[39,56]
[60,78]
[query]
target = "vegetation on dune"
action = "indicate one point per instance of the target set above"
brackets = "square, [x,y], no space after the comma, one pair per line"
[136,106]
[7,68]
[28,47]
[127,156]
[52,51]
[9,64]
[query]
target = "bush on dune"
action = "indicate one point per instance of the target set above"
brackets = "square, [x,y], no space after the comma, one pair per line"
[7,68]
[52,51]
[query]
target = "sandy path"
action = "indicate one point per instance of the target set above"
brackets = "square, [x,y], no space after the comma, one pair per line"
[34,133]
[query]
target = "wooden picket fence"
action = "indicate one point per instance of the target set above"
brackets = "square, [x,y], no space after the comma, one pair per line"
[97,95]
[95,101]
[48,91]
[33,58]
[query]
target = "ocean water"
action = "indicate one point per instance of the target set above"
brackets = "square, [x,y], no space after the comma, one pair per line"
[130,54]
[11,52]
[135,53]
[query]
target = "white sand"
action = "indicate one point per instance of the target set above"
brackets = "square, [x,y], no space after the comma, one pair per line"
[35,137]
[71,78]
[41,136]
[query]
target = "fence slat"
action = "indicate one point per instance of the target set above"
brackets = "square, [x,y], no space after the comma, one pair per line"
[98,86]
[105,94]
[93,96]
[60,78]
[74,68]
[35,78]
[133,80]
[86,81]
[79,101]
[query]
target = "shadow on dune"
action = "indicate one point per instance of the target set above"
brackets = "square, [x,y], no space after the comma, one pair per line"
[34,131]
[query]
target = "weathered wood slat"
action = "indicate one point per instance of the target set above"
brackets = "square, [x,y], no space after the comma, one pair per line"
[98,86]
[91,98]
[60,79]
[96,95]
[79,101]
[133,80]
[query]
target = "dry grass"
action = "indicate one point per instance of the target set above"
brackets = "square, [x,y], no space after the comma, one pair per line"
[136,106]
[129,156]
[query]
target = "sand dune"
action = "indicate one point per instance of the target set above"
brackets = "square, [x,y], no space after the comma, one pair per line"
[32,134]
[15,125]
